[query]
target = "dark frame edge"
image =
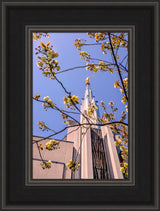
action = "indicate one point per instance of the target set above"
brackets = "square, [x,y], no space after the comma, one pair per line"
[3,173]
[83,3]
[156,114]
[156,101]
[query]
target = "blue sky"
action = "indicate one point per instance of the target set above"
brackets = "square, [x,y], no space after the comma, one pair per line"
[102,84]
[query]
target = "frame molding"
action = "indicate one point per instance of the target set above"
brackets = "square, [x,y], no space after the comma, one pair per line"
[29,30]
[156,205]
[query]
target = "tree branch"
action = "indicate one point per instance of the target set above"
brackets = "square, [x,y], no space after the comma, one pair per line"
[85,124]
[119,72]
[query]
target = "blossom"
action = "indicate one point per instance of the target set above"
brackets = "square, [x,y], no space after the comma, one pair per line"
[52,54]
[43,59]
[48,44]
[116,84]
[123,169]
[73,165]
[51,145]
[58,68]
[56,62]
[102,65]
[46,98]
[64,116]
[125,164]
[121,90]
[46,164]
[36,97]
[91,108]
[79,43]
[125,80]
[111,103]
[118,142]
[42,44]
[92,67]
[124,100]
[110,70]
[49,162]
[126,108]
[48,103]
[37,36]
[42,126]
[56,54]
[39,63]
[40,146]
[71,101]
[84,55]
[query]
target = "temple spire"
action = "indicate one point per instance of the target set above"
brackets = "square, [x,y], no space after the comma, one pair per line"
[89,99]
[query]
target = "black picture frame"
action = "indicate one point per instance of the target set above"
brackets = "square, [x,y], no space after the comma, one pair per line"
[17,193]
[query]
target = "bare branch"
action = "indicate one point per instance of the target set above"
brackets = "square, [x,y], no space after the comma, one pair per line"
[39,151]
[85,124]
[119,72]
[69,93]
[73,68]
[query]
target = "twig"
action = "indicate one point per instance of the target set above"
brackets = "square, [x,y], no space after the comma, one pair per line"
[39,151]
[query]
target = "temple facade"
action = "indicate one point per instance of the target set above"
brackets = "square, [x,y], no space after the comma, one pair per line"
[92,146]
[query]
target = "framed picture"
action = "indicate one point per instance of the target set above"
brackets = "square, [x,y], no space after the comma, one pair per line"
[85,125]
[80,102]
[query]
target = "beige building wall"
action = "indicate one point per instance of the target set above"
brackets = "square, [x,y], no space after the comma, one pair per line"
[56,171]
[59,157]
[86,157]
[112,159]
[74,135]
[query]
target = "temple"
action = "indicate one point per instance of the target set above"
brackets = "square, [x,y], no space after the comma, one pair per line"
[92,146]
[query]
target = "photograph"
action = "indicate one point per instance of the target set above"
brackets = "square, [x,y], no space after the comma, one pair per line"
[80,105]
